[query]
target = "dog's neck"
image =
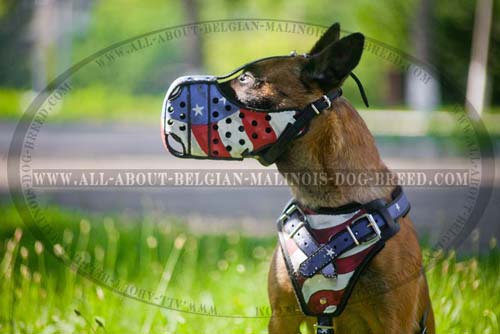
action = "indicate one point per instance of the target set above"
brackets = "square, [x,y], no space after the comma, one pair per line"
[337,143]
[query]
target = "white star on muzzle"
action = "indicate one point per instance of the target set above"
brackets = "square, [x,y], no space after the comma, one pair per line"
[198,110]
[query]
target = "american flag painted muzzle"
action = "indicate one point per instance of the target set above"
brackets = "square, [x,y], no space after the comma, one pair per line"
[207,124]
[200,121]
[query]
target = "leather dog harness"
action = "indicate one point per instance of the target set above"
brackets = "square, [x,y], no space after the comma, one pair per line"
[326,250]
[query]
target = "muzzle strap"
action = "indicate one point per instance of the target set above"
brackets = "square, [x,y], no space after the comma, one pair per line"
[294,129]
[361,89]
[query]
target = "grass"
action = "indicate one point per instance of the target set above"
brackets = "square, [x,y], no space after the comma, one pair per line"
[217,274]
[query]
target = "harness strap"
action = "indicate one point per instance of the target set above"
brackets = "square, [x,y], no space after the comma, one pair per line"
[324,325]
[379,223]
[297,230]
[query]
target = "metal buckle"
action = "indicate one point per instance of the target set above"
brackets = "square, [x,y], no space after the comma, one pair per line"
[374,226]
[322,326]
[289,211]
[327,101]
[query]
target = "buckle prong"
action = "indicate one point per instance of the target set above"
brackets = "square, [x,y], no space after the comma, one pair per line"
[356,241]
[374,225]
[371,223]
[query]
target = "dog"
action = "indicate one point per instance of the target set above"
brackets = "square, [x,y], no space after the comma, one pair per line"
[338,139]
[391,294]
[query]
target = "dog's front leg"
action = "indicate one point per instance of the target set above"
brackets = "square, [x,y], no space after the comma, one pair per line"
[286,318]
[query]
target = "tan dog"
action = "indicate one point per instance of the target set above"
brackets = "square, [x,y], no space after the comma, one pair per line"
[338,139]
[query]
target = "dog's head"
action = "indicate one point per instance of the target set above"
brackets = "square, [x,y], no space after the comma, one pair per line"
[281,83]
[289,82]
[248,115]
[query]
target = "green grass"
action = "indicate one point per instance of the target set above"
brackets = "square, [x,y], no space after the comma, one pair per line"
[224,272]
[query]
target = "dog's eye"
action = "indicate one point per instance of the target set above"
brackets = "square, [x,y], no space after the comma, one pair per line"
[245,78]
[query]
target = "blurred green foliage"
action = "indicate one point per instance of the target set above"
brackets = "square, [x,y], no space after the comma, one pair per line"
[149,71]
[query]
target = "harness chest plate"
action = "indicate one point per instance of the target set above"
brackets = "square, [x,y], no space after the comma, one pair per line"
[325,252]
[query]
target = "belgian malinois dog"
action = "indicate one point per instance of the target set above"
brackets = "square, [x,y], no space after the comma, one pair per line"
[391,294]
[338,139]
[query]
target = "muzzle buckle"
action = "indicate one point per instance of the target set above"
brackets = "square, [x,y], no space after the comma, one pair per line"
[327,101]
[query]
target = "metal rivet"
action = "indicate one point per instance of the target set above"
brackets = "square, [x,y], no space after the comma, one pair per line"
[323,300]
[170,121]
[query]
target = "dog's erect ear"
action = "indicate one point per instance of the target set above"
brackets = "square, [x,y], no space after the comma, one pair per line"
[330,36]
[332,65]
